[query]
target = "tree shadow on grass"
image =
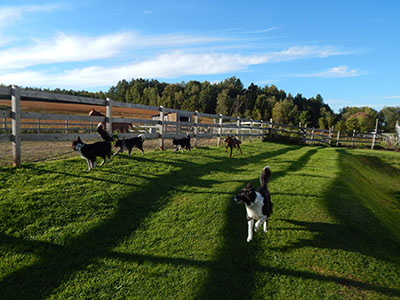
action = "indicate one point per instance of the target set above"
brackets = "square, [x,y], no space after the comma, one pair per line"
[232,275]
[56,264]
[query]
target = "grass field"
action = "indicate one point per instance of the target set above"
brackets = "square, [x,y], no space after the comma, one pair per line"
[164,226]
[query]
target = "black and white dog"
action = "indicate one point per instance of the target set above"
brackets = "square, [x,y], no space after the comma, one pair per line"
[182,143]
[91,151]
[258,203]
[128,144]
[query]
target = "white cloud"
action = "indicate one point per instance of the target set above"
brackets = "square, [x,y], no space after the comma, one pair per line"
[335,72]
[391,97]
[168,65]
[63,48]
[69,48]
[10,14]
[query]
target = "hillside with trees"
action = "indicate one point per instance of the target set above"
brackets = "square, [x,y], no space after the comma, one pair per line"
[230,97]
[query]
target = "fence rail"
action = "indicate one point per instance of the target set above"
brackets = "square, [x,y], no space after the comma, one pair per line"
[17,125]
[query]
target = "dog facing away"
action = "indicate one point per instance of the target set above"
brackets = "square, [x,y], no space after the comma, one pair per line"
[104,134]
[128,144]
[232,142]
[91,151]
[258,203]
[182,143]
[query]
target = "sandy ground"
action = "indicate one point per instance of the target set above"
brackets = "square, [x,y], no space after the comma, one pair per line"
[55,150]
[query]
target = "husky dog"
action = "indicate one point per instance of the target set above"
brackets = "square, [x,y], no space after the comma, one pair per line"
[183,143]
[258,203]
[128,144]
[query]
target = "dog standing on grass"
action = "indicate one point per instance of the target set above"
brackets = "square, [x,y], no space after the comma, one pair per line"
[258,203]
[91,151]
[232,142]
[128,144]
[183,143]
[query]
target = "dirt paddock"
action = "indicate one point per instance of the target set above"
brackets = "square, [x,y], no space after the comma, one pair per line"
[46,151]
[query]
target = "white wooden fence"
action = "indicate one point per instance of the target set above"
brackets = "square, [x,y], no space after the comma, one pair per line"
[212,126]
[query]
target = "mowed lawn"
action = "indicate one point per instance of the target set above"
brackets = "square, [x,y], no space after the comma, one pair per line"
[164,226]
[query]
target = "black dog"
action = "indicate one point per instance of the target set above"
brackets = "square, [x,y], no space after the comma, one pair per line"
[128,144]
[258,203]
[183,143]
[91,151]
[104,134]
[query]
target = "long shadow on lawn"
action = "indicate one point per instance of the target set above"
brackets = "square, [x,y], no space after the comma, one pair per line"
[358,229]
[56,264]
[233,273]
[236,255]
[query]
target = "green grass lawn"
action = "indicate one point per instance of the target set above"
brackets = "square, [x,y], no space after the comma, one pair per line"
[164,226]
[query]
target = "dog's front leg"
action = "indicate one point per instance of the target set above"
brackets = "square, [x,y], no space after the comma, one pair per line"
[89,164]
[250,230]
[259,222]
[266,225]
[118,151]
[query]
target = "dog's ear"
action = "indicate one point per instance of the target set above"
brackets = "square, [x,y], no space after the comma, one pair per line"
[79,139]
[249,185]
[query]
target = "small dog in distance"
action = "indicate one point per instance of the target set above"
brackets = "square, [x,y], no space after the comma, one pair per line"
[182,143]
[128,144]
[232,142]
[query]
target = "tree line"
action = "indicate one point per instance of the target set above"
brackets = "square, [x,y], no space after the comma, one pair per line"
[230,97]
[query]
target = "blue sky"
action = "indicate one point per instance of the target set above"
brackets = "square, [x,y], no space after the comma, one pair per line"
[347,51]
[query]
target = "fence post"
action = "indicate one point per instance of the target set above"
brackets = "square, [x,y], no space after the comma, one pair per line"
[5,125]
[38,125]
[270,128]
[375,133]
[219,129]
[108,116]
[16,125]
[330,135]
[238,126]
[162,128]
[352,139]
[66,126]
[338,138]
[196,121]
[312,135]
[261,132]
[251,130]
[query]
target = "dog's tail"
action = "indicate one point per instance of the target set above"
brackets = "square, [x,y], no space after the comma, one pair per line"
[104,134]
[142,136]
[265,176]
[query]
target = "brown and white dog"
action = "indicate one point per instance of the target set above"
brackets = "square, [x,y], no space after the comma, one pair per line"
[232,142]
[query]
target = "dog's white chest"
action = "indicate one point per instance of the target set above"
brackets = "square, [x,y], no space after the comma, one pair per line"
[254,210]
